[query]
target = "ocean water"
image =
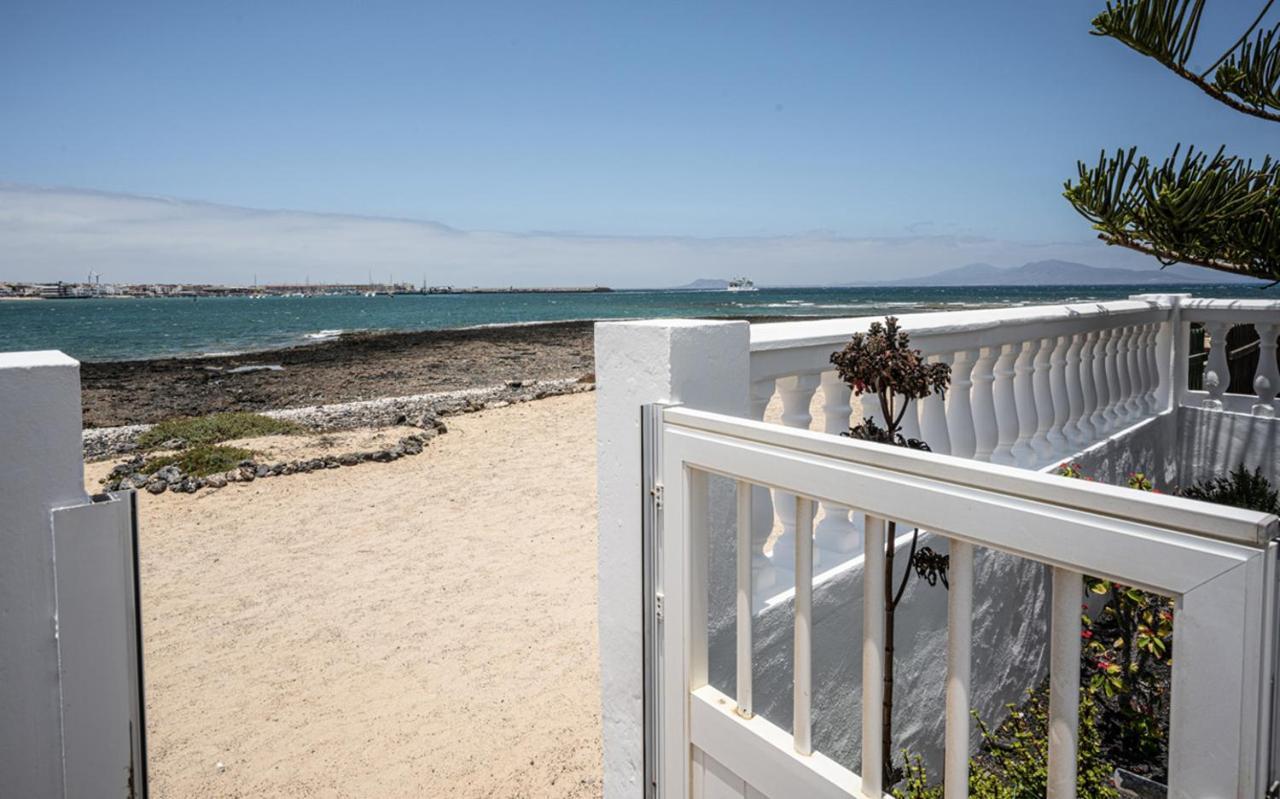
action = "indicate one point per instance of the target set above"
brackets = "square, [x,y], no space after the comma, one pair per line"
[123,329]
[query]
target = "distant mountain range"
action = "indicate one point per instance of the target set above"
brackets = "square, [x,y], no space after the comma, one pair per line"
[1065,273]
[1041,273]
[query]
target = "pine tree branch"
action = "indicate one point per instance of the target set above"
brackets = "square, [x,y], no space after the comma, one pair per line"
[1221,96]
[1243,38]
[1168,258]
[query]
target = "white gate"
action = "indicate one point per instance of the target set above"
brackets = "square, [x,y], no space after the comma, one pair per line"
[1217,563]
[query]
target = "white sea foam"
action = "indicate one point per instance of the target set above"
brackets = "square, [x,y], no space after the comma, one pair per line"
[324,334]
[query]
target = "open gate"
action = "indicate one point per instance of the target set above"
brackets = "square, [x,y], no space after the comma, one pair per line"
[1219,564]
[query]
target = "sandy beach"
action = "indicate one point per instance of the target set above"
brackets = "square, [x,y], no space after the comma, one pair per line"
[420,628]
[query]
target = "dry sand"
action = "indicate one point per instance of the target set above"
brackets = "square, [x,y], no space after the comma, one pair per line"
[420,628]
[425,627]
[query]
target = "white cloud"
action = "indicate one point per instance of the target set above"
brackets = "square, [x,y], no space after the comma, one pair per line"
[60,234]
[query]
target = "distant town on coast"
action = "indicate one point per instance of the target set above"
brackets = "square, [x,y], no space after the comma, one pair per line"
[94,289]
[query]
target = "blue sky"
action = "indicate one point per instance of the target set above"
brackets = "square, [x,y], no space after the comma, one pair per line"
[845,120]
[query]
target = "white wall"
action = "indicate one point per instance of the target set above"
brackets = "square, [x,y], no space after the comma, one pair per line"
[704,365]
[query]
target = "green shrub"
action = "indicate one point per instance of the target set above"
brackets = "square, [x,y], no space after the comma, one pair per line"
[200,461]
[216,428]
[1241,489]
[1013,762]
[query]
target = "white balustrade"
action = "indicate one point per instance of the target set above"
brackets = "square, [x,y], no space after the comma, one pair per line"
[985,430]
[766,579]
[933,416]
[1004,404]
[964,442]
[1058,393]
[1077,437]
[836,537]
[1216,371]
[797,395]
[1025,399]
[1088,388]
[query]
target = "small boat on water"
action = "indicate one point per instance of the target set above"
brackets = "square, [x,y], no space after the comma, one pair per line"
[740,284]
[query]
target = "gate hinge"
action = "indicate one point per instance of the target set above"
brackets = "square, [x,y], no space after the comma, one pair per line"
[657,606]
[656,493]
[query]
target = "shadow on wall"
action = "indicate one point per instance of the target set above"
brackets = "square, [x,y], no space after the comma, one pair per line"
[1010,652]
[1186,445]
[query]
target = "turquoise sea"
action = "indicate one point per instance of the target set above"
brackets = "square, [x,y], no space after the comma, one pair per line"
[122,329]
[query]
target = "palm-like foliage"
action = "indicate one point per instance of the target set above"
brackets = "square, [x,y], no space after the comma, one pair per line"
[1216,211]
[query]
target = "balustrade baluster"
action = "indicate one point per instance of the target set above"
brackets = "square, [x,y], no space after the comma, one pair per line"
[837,538]
[1153,367]
[1025,398]
[1113,412]
[985,425]
[959,663]
[1123,398]
[797,394]
[1064,683]
[1058,390]
[933,416]
[1217,374]
[1004,400]
[1131,383]
[959,407]
[746,595]
[1075,394]
[872,657]
[802,677]
[1147,366]
[911,421]
[1267,382]
[1101,421]
[1088,389]
[762,519]
[1043,387]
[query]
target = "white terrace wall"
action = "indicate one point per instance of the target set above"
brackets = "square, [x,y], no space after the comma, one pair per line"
[1186,445]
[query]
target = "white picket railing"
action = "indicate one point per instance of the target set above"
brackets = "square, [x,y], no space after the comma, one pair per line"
[1031,387]
[1216,562]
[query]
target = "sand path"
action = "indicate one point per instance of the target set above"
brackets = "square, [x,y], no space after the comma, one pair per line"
[420,628]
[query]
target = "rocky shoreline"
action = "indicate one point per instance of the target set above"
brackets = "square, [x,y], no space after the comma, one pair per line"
[420,410]
[353,368]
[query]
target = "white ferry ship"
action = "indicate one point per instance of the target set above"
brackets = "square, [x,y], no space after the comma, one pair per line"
[741,284]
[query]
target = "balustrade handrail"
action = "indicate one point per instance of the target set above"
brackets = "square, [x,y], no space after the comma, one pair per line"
[1201,519]
[805,346]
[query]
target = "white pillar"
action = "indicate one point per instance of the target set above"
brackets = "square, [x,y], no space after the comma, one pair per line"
[1217,374]
[42,469]
[701,364]
[933,417]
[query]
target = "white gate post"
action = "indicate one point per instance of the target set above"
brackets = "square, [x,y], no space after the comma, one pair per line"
[701,364]
[41,470]
[70,690]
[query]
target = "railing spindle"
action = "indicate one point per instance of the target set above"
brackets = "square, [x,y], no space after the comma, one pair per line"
[985,425]
[762,499]
[797,394]
[1005,404]
[1058,390]
[1071,430]
[1088,389]
[959,663]
[1101,418]
[1267,382]
[836,536]
[1147,368]
[746,610]
[872,657]
[959,407]
[1044,398]
[802,727]
[933,417]
[1217,373]
[1115,416]
[1025,398]
[1128,375]
[1064,682]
